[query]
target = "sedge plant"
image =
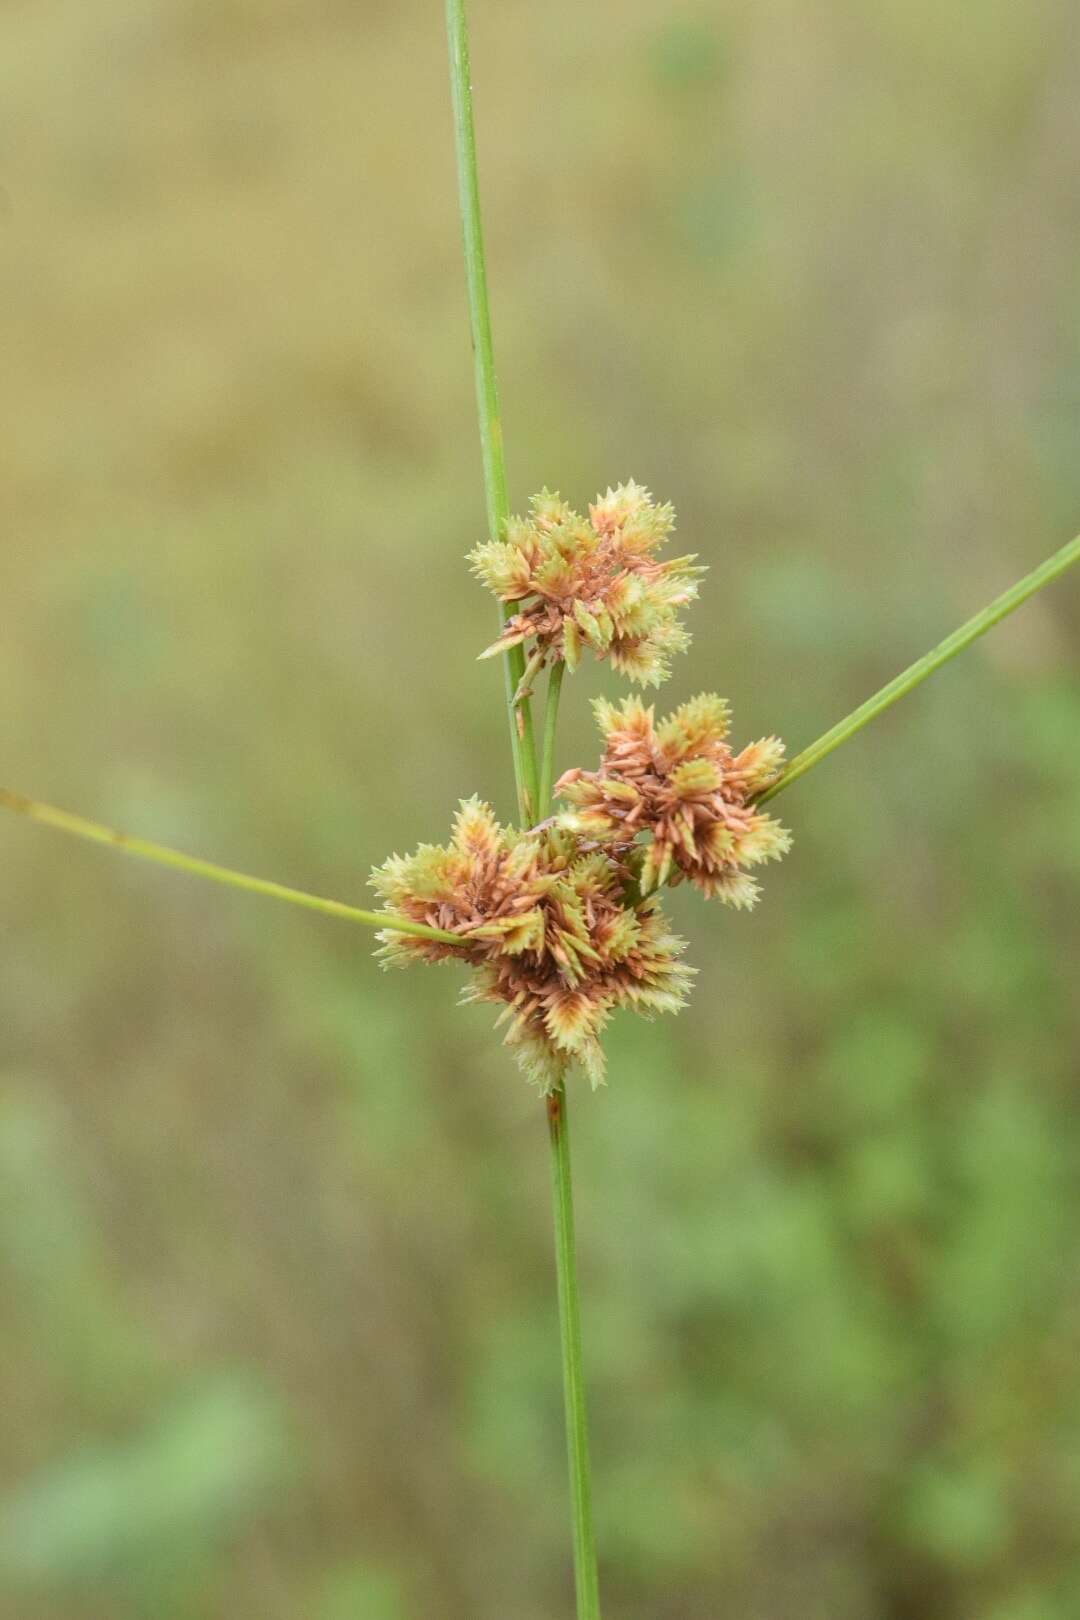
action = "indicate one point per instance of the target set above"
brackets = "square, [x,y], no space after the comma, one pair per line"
[558,918]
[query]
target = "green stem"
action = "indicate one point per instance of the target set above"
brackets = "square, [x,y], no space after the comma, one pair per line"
[577,1434]
[50,816]
[522,740]
[923,667]
[551,720]
[531,801]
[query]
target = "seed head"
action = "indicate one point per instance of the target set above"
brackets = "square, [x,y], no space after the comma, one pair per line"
[592,583]
[548,931]
[679,782]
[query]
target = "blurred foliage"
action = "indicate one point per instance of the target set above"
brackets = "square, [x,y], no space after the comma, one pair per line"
[276,1301]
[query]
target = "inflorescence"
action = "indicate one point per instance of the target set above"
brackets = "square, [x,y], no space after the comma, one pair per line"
[561,923]
[680,783]
[553,931]
[592,583]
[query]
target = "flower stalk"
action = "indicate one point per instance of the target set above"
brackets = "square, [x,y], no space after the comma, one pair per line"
[586,1575]
[533,786]
[586,1583]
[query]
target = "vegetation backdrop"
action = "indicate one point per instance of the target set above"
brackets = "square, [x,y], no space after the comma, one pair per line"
[277,1331]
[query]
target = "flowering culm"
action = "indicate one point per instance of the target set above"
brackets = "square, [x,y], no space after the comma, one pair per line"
[561,923]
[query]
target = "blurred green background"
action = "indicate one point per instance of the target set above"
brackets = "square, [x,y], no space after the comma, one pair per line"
[277,1331]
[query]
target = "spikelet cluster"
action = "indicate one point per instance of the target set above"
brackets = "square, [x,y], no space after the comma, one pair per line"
[592,583]
[561,924]
[679,782]
[557,934]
